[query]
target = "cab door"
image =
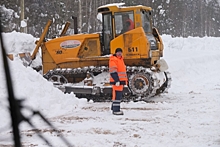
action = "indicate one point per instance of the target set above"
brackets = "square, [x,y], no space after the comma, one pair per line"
[107,33]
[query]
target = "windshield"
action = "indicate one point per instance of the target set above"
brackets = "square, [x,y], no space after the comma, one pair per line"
[124,21]
[146,21]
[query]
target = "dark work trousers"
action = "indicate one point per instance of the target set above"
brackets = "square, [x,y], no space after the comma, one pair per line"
[117,92]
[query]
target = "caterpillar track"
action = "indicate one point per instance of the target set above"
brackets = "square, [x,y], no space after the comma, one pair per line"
[143,83]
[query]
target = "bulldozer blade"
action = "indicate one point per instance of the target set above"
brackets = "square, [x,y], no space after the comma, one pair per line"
[10,56]
[93,90]
[25,57]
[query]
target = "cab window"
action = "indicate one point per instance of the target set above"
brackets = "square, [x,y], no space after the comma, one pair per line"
[124,21]
[145,16]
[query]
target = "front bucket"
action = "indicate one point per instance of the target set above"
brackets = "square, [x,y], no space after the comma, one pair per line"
[25,57]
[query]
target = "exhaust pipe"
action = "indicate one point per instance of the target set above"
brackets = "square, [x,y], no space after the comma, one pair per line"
[75,24]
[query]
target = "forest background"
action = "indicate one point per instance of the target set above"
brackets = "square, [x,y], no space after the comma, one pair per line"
[172,17]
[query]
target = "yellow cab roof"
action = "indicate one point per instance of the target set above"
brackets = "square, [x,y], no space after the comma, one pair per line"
[115,7]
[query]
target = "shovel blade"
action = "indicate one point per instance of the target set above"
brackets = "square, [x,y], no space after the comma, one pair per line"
[25,57]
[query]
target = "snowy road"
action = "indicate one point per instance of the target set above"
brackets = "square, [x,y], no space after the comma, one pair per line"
[181,119]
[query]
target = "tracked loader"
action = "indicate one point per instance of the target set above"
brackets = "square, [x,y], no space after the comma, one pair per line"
[79,63]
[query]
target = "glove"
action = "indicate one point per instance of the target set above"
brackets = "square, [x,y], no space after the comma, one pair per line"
[117,84]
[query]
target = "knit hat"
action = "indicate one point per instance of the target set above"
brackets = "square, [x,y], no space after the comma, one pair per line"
[118,50]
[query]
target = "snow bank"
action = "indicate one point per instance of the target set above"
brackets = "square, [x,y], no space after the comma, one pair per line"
[190,60]
[29,84]
[16,42]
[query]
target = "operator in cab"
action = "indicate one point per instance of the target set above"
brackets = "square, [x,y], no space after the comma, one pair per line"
[118,78]
[128,24]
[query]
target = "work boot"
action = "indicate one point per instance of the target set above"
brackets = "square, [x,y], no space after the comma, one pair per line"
[118,113]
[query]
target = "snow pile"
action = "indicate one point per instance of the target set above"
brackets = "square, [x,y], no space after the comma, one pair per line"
[29,84]
[37,91]
[16,42]
[191,60]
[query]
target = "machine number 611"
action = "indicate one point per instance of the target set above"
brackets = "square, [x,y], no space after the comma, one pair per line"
[133,49]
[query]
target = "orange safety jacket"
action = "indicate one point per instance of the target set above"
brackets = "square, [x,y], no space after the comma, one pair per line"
[131,24]
[117,70]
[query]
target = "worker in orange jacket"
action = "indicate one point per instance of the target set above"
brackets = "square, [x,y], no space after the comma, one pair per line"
[118,78]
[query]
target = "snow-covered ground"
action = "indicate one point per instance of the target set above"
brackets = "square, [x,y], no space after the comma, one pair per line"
[187,116]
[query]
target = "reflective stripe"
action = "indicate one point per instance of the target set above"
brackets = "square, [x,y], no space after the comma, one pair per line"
[121,72]
[115,104]
[112,71]
[124,76]
[119,101]
[113,68]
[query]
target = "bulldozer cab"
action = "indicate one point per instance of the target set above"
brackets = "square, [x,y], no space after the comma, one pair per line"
[117,20]
[112,30]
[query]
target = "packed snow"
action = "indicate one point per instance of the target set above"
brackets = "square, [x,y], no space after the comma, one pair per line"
[188,115]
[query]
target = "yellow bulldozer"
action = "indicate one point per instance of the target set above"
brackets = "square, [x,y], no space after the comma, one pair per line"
[79,63]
